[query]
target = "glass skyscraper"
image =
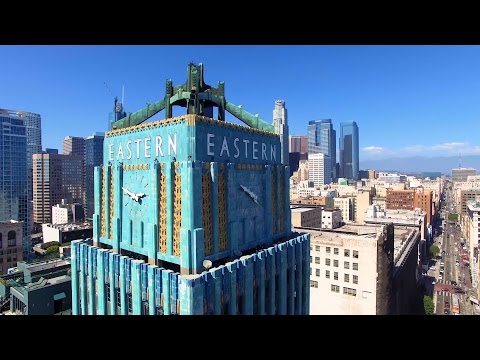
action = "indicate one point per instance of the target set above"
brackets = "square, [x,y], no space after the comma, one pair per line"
[116,114]
[322,139]
[93,157]
[13,172]
[33,124]
[349,162]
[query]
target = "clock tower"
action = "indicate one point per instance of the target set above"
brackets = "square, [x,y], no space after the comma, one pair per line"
[192,216]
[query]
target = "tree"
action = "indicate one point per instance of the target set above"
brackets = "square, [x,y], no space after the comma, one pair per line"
[46,245]
[453,217]
[434,250]
[428,305]
[52,249]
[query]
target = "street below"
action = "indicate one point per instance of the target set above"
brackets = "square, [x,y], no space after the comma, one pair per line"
[450,269]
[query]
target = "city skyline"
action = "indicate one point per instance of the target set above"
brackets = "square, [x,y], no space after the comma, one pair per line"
[379,87]
[204,214]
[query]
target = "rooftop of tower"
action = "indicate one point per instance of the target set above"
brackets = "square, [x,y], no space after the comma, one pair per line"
[191,119]
[198,98]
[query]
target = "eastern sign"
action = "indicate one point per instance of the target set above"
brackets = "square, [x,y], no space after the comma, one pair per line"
[222,146]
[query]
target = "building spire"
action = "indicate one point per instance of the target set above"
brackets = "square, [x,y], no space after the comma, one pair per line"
[280,125]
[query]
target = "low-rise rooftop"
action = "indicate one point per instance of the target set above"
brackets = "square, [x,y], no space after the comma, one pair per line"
[41,266]
[42,282]
[10,222]
[348,232]
[71,227]
[473,205]
[301,209]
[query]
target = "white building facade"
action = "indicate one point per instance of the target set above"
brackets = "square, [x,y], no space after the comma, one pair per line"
[319,169]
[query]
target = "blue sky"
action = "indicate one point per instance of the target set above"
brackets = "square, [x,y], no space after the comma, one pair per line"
[406,100]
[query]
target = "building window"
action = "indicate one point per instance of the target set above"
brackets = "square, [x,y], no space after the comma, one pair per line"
[130,302]
[355,266]
[335,251]
[346,253]
[317,247]
[310,259]
[346,265]
[107,289]
[328,249]
[317,260]
[317,272]
[355,279]
[335,275]
[346,278]
[335,263]
[117,293]
[327,262]
[327,274]
[355,254]
[313,284]
[335,288]
[310,271]
[311,247]
[12,238]
[349,291]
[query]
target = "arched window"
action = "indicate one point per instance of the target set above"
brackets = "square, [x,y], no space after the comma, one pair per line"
[12,238]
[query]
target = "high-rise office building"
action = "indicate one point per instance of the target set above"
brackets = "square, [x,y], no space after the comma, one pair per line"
[192,216]
[14,173]
[33,124]
[349,150]
[55,177]
[461,174]
[298,143]
[117,113]
[322,139]
[74,145]
[280,124]
[319,169]
[93,157]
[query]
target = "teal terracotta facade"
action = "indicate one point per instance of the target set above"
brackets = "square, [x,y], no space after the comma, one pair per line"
[174,193]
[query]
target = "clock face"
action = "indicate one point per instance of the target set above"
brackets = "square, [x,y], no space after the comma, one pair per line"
[248,202]
[136,196]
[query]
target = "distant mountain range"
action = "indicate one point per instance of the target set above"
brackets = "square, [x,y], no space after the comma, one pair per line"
[420,164]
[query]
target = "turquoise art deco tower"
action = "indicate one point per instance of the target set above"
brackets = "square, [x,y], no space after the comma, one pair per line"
[192,215]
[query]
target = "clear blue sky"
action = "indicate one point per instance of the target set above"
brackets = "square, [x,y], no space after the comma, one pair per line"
[406,100]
